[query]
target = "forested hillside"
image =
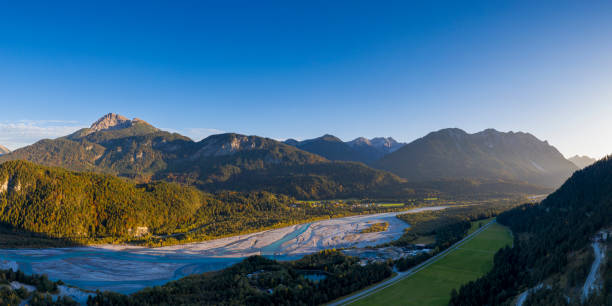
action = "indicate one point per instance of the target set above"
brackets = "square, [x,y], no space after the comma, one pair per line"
[250,163]
[547,238]
[62,203]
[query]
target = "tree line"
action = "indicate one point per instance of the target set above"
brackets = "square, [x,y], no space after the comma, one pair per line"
[546,237]
[261,281]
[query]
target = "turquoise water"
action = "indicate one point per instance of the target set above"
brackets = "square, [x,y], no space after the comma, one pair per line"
[274,248]
[128,271]
[109,263]
[124,271]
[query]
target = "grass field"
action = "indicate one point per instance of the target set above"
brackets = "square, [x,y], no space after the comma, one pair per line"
[476,224]
[391,204]
[432,285]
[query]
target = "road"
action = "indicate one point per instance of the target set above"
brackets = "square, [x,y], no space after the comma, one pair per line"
[523,297]
[589,283]
[401,275]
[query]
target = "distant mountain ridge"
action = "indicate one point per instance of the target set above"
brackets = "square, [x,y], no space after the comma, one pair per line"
[360,149]
[582,161]
[387,144]
[4,150]
[311,169]
[489,154]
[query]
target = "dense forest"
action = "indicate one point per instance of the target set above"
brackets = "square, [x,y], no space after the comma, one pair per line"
[88,207]
[62,203]
[42,286]
[261,281]
[546,238]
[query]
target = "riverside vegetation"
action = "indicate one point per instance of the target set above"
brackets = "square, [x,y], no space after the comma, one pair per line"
[376,227]
[261,281]
[40,296]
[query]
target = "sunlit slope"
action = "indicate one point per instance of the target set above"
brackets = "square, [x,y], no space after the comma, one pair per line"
[62,203]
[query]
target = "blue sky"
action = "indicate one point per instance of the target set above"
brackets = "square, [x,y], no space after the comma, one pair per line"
[286,69]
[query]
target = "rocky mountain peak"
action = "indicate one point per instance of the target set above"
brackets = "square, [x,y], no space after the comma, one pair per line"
[386,142]
[111,121]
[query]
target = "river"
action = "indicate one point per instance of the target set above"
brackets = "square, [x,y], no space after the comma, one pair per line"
[126,269]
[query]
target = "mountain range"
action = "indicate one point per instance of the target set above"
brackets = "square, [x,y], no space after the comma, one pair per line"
[324,167]
[490,154]
[360,149]
[137,150]
[582,161]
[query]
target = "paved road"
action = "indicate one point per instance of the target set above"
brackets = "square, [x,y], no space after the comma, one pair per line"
[401,275]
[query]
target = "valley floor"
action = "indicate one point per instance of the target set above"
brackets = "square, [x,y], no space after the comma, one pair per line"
[127,269]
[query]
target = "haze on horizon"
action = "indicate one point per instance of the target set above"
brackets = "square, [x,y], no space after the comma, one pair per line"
[303,70]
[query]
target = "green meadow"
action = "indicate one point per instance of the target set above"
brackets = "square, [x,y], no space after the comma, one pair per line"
[433,285]
[391,204]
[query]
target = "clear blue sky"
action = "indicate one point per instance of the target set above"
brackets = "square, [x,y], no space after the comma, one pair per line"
[284,69]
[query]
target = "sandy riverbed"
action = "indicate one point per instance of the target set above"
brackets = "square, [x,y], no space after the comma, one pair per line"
[127,269]
[294,240]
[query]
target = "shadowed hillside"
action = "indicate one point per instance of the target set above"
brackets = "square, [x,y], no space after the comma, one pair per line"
[549,238]
[487,155]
